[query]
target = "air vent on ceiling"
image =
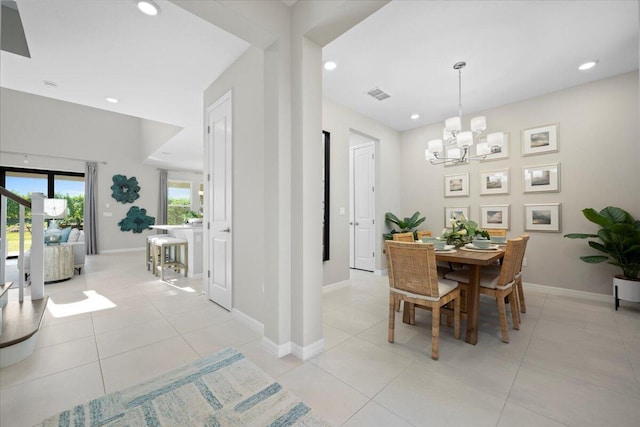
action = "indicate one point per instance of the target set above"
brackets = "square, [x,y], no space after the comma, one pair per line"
[378,94]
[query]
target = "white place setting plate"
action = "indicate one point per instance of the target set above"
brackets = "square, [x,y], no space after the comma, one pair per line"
[472,246]
[446,248]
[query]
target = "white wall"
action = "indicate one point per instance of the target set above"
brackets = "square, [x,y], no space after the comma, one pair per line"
[340,121]
[598,153]
[39,125]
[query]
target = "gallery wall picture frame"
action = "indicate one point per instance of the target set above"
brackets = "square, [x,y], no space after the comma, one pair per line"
[540,140]
[497,153]
[454,212]
[541,178]
[494,216]
[543,217]
[456,185]
[494,182]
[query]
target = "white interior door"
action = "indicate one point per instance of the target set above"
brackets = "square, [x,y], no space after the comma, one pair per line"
[363,207]
[220,259]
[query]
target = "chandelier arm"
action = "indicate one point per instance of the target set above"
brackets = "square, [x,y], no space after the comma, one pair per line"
[460,93]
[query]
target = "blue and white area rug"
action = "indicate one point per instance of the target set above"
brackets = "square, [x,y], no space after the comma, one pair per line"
[224,389]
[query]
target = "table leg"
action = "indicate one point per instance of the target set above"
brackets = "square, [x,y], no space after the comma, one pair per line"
[473,300]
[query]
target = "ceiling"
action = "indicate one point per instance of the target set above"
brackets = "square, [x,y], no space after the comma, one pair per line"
[158,67]
[514,50]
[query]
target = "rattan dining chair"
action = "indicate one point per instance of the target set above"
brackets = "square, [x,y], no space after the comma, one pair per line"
[423,233]
[403,237]
[498,283]
[518,276]
[413,278]
[496,232]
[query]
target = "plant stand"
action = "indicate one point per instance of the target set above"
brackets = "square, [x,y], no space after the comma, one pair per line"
[628,290]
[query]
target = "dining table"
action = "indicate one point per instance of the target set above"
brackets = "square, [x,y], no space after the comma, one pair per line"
[475,260]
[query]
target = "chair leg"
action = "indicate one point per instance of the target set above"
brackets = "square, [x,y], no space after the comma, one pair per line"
[456,318]
[515,313]
[392,316]
[523,307]
[435,331]
[502,313]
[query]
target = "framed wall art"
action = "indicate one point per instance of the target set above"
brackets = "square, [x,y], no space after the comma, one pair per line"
[454,212]
[539,179]
[543,217]
[494,216]
[494,182]
[497,152]
[540,140]
[456,185]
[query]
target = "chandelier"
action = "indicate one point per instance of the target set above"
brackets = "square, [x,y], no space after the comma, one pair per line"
[458,142]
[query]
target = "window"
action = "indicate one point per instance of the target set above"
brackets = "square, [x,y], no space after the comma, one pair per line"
[179,197]
[53,184]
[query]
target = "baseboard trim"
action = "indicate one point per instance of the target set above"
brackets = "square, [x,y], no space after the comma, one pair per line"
[382,272]
[334,286]
[117,251]
[275,349]
[568,292]
[307,352]
[248,320]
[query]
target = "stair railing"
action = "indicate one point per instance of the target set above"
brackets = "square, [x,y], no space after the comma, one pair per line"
[37,235]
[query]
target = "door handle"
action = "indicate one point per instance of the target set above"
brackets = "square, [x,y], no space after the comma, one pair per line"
[226,230]
[357,223]
[351,223]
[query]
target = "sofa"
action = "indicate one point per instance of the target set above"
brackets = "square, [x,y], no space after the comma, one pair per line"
[73,237]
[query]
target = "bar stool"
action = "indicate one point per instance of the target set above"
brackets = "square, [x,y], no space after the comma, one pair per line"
[170,253]
[151,259]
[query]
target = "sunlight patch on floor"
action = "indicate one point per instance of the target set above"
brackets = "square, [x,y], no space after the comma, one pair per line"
[93,302]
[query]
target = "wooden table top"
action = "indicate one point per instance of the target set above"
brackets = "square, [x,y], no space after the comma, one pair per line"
[471,257]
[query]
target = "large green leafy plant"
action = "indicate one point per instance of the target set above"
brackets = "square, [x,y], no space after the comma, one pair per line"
[405,225]
[619,239]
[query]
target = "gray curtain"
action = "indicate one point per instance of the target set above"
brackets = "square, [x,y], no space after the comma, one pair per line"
[163,201]
[91,208]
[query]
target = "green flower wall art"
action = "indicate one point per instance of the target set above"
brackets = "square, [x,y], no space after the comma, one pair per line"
[125,190]
[136,220]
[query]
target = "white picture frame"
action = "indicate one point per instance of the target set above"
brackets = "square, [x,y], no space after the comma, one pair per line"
[546,217]
[494,182]
[452,212]
[503,152]
[494,216]
[540,140]
[456,185]
[541,179]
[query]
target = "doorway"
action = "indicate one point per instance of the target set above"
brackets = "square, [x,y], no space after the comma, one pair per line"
[219,216]
[362,178]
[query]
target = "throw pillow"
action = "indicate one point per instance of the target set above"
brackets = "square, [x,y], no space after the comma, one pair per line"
[73,236]
[65,234]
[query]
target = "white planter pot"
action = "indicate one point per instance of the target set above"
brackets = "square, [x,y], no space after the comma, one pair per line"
[628,290]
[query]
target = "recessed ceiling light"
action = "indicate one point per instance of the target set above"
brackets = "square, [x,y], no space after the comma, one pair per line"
[588,65]
[415,116]
[330,65]
[148,7]
[112,100]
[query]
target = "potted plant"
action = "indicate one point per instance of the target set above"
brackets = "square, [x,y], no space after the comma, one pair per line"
[463,231]
[619,240]
[406,225]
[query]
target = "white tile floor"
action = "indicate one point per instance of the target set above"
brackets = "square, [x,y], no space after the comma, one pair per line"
[573,362]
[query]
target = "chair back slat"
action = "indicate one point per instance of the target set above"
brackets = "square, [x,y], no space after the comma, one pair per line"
[497,232]
[512,254]
[403,237]
[524,237]
[412,268]
[424,233]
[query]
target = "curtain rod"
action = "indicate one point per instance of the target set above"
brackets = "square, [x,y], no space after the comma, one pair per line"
[52,157]
[181,171]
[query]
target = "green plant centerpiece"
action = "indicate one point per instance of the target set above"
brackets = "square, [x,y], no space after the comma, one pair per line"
[406,225]
[463,231]
[619,239]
